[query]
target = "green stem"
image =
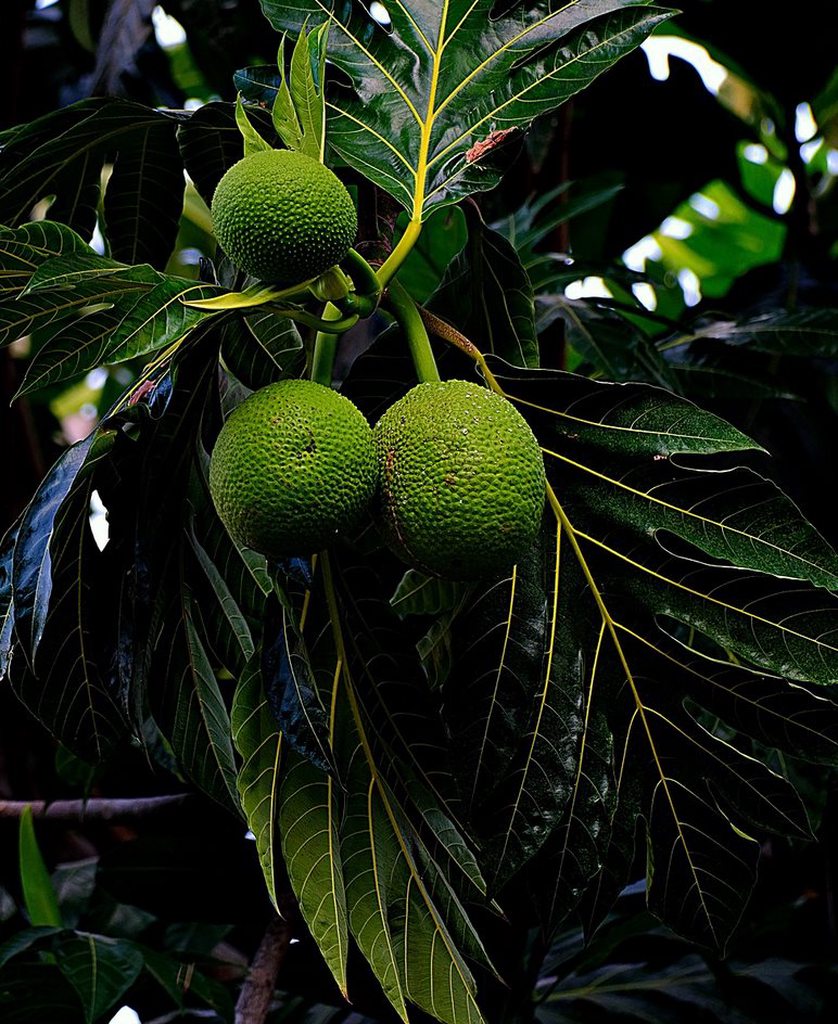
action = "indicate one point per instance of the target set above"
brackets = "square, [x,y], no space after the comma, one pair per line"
[329,324]
[391,265]
[325,347]
[403,308]
[363,276]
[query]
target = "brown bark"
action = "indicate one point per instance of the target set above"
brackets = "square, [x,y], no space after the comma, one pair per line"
[256,994]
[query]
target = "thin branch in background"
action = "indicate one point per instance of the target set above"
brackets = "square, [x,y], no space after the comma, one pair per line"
[95,809]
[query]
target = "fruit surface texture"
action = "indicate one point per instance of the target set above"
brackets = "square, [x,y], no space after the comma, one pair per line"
[462,480]
[283,217]
[293,465]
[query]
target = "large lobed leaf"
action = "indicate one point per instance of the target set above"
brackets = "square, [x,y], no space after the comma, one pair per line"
[676,586]
[439,85]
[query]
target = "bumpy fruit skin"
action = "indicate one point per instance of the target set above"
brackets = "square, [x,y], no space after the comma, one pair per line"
[462,480]
[283,217]
[293,465]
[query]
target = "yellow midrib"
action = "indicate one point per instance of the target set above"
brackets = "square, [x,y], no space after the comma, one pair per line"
[428,122]
[611,626]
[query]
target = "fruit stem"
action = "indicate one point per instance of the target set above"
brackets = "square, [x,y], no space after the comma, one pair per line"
[450,334]
[328,325]
[325,348]
[390,266]
[364,277]
[403,308]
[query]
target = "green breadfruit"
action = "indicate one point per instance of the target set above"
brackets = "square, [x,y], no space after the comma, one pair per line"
[293,465]
[283,217]
[462,480]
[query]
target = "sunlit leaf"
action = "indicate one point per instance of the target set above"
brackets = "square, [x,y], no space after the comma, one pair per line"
[38,893]
[88,310]
[258,740]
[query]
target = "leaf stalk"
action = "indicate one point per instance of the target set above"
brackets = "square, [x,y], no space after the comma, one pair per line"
[391,265]
[404,309]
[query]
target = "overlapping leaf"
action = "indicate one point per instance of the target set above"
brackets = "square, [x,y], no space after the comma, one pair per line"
[262,348]
[87,310]
[310,809]
[188,704]
[64,610]
[393,915]
[488,293]
[810,332]
[62,156]
[400,905]
[642,581]
[438,86]
[258,740]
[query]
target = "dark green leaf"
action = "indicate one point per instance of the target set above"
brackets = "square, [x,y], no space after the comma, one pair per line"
[262,348]
[190,707]
[26,938]
[647,601]
[100,969]
[810,333]
[31,993]
[290,688]
[7,608]
[450,81]
[309,814]
[210,143]
[62,155]
[488,294]
[64,606]
[611,343]
[442,239]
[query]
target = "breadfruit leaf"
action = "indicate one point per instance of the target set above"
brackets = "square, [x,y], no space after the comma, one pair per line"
[299,110]
[308,818]
[257,738]
[439,87]
[99,968]
[486,291]
[253,141]
[62,607]
[674,587]
[86,309]
[60,157]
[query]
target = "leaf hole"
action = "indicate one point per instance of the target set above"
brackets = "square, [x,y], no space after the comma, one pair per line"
[98,520]
[379,14]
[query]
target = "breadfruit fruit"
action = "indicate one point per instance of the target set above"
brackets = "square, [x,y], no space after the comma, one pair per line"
[462,481]
[293,465]
[283,217]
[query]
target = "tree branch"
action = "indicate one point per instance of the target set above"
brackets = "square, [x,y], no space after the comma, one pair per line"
[95,809]
[256,994]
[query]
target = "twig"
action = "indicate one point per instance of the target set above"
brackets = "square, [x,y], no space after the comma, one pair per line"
[256,994]
[95,809]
